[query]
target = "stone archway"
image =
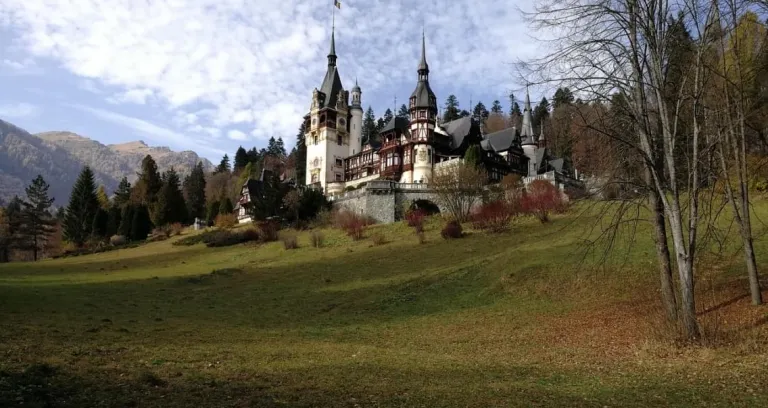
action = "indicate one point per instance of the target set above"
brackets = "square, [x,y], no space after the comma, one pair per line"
[426,206]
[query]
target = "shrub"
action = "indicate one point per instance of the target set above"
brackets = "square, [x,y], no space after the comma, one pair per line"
[268,230]
[378,239]
[175,229]
[160,233]
[316,238]
[415,219]
[324,218]
[117,240]
[452,230]
[540,199]
[290,241]
[225,221]
[228,238]
[494,216]
[351,223]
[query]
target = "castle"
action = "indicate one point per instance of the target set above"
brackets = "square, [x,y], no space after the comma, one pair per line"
[409,150]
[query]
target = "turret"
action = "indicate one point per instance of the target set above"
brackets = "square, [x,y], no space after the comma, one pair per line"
[528,139]
[423,112]
[356,121]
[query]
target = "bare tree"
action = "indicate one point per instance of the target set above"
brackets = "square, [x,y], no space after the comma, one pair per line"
[458,187]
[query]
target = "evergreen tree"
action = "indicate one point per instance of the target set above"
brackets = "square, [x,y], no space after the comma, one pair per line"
[280,147]
[223,166]
[126,220]
[369,126]
[241,159]
[464,114]
[540,114]
[451,111]
[100,224]
[194,191]
[212,211]
[5,237]
[496,107]
[101,194]
[563,96]
[83,204]
[225,206]
[11,228]
[301,156]
[380,125]
[170,206]
[149,183]
[254,156]
[516,111]
[123,193]
[37,221]
[403,112]
[473,155]
[272,147]
[480,113]
[388,116]
[141,224]
[512,105]
[113,220]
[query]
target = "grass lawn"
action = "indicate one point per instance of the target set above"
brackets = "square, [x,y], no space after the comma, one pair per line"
[516,319]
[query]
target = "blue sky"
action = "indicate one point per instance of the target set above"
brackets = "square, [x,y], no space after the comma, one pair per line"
[210,75]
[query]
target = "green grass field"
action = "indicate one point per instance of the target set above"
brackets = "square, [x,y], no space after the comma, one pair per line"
[517,319]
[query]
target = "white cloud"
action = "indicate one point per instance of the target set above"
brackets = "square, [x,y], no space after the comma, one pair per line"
[254,63]
[235,134]
[157,133]
[19,110]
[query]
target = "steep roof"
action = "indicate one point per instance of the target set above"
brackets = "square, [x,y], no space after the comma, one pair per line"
[331,87]
[395,123]
[425,98]
[499,141]
[458,129]
[526,131]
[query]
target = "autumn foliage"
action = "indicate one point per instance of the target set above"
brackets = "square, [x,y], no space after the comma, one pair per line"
[542,198]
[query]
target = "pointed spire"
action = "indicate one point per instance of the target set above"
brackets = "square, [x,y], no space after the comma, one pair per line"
[526,131]
[423,66]
[332,54]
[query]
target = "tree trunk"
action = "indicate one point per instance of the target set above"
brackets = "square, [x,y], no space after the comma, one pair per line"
[662,252]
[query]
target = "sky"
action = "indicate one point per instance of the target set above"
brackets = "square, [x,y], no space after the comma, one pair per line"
[211,75]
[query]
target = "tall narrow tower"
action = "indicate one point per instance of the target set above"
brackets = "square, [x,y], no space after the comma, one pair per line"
[356,121]
[423,111]
[528,140]
[327,135]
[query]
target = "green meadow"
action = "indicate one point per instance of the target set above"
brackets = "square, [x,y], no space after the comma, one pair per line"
[527,318]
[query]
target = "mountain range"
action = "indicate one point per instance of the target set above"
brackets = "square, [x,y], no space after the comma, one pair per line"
[60,156]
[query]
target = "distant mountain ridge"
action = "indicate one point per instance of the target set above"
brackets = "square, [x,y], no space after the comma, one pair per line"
[59,157]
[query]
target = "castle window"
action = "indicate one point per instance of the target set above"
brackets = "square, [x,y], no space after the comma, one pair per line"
[339,162]
[338,176]
[314,138]
[422,114]
[339,140]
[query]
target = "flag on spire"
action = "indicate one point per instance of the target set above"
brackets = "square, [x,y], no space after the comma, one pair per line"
[337,3]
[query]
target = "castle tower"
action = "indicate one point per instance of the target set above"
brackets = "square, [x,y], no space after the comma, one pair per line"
[528,142]
[327,136]
[423,116]
[356,121]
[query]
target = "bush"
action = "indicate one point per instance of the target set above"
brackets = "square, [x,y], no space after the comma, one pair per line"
[117,240]
[290,241]
[225,221]
[541,198]
[452,230]
[415,219]
[324,218]
[316,238]
[229,238]
[175,229]
[161,233]
[494,216]
[268,230]
[378,239]
[351,223]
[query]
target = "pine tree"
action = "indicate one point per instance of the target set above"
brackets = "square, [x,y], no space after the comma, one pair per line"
[5,237]
[126,220]
[212,212]
[114,217]
[380,125]
[540,114]
[101,194]
[170,206]
[123,193]
[563,96]
[223,166]
[472,156]
[512,105]
[464,114]
[149,183]
[403,112]
[141,224]
[280,147]
[225,206]
[100,224]
[194,190]
[369,127]
[480,113]
[388,116]
[11,227]
[254,156]
[451,111]
[496,107]
[82,207]
[241,159]
[301,156]
[37,221]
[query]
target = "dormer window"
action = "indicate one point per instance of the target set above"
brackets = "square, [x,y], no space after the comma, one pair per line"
[422,114]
